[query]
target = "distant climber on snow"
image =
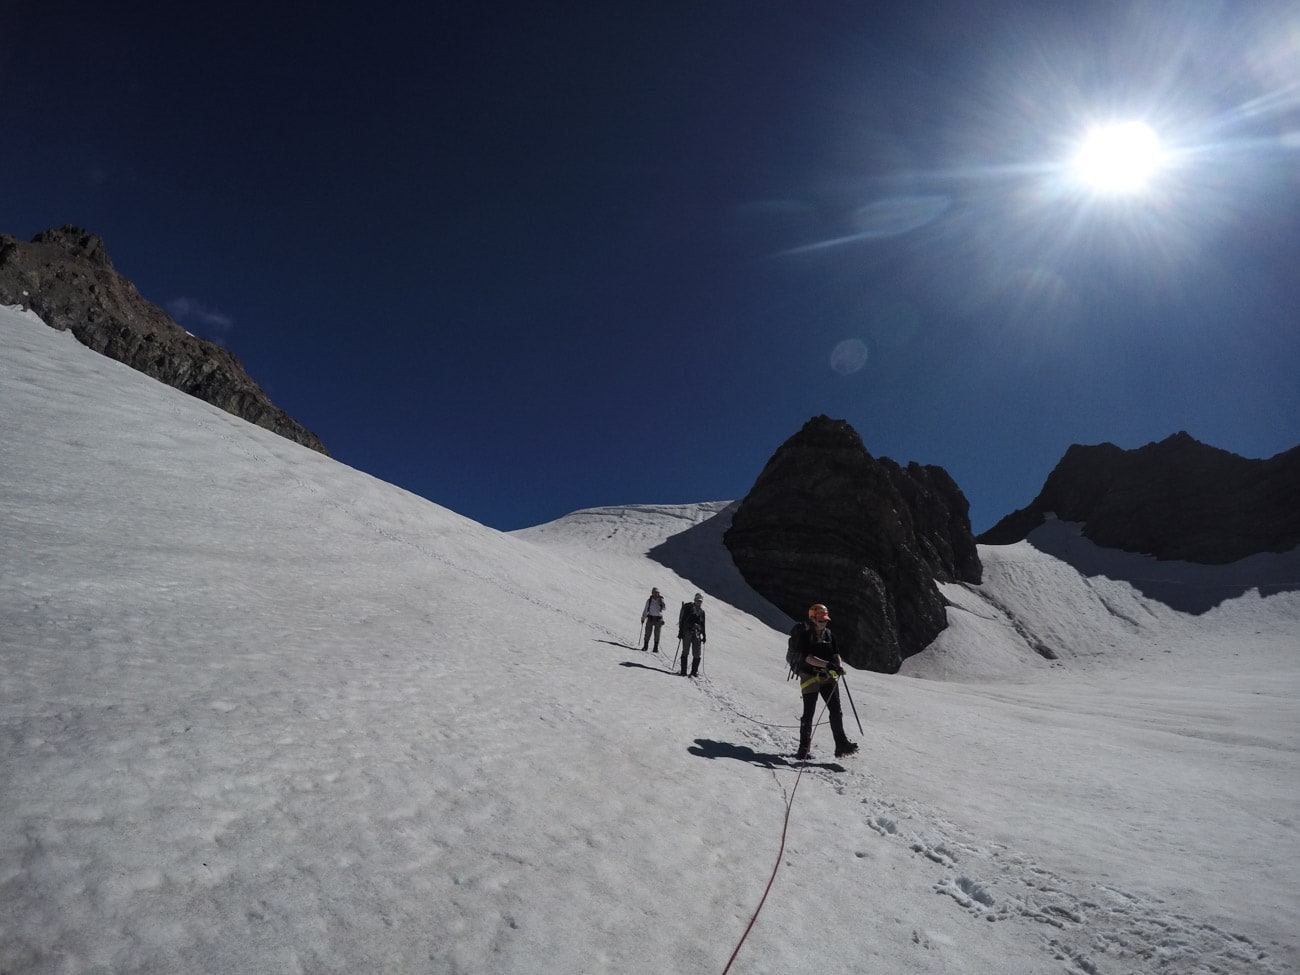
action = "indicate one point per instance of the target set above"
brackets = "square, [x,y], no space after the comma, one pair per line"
[690,631]
[652,619]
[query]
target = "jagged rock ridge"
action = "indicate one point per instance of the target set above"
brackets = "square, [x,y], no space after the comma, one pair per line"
[826,522]
[1177,499]
[66,277]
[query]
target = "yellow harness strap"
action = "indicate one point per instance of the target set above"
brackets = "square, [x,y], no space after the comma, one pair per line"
[812,682]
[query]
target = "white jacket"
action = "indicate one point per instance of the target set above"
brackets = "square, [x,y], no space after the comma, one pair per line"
[654,606]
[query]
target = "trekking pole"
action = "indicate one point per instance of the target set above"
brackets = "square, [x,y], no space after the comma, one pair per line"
[851,704]
[640,634]
[673,665]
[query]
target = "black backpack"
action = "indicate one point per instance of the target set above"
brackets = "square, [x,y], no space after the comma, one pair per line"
[794,652]
[687,618]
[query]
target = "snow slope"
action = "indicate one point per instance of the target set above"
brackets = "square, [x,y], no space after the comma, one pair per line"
[263,713]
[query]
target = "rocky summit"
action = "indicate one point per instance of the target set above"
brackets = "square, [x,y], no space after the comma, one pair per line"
[828,523]
[66,277]
[1177,499]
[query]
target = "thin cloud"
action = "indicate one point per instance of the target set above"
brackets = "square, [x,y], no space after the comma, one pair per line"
[190,312]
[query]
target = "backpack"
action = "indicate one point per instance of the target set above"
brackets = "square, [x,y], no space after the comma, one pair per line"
[794,652]
[687,618]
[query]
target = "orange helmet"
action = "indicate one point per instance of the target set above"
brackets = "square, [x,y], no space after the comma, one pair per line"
[818,612]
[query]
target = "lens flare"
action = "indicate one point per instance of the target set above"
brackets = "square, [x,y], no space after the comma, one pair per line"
[849,356]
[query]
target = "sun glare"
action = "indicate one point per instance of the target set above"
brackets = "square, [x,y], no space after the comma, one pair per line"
[1118,158]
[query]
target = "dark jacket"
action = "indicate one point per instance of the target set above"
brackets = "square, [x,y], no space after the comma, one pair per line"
[690,618]
[804,642]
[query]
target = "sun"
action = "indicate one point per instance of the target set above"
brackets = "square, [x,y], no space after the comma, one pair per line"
[1118,158]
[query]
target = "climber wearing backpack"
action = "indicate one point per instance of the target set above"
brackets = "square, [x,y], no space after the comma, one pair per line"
[652,619]
[690,630]
[815,661]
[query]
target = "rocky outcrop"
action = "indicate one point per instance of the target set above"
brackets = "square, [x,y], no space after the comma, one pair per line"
[66,277]
[1176,499]
[826,522]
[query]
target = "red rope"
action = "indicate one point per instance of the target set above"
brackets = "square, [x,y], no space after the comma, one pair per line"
[785,828]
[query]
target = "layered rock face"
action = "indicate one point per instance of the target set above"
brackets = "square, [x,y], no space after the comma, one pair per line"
[65,276]
[1176,499]
[827,523]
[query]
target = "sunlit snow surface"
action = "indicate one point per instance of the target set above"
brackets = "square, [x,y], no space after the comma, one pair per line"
[264,713]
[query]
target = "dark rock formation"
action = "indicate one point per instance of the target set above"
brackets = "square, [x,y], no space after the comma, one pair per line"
[66,278]
[826,522]
[1176,499]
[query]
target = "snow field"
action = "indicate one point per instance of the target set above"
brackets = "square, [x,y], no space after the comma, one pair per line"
[261,712]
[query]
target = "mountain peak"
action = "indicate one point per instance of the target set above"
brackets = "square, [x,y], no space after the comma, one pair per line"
[1177,498]
[827,522]
[76,242]
[65,276]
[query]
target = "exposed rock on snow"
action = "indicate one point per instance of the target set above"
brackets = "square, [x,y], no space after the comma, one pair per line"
[827,522]
[1176,499]
[66,277]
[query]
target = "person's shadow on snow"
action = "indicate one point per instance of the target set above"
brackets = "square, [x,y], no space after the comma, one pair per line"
[707,748]
[654,670]
[621,646]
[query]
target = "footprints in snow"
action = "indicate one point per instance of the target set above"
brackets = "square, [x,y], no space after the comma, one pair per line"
[1094,928]
[1089,927]
[966,892]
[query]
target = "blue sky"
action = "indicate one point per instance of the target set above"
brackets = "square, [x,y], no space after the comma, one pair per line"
[525,261]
